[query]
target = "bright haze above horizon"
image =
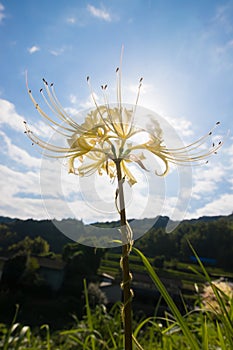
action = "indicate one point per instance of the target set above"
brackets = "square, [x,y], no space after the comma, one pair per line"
[184,52]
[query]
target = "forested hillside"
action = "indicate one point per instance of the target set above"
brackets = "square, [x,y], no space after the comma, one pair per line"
[212,238]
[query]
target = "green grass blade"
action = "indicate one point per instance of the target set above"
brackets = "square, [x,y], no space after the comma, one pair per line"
[226,319]
[22,337]
[205,344]
[221,338]
[194,344]
[76,340]
[46,327]
[206,275]
[112,338]
[8,335]
[140,325]
[89,316]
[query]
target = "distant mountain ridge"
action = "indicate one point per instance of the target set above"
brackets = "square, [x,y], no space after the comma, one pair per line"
[6,219]
[166,218]
[209,218]
[163,220]
[49,231]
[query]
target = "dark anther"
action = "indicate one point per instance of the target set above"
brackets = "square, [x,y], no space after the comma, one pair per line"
[37,105]
[51,84]
[30,91]
[41,90]
[217,123]
[32,143]
[207,162]
[102,87]
[140,80]
[45,81]
[220,142]
[88,78]
[210,133]
[117,69]
[105,87]
[213,144]
[215,152]
[25,122]
[25,132]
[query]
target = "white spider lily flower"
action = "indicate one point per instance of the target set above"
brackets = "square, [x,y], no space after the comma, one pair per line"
[107,135]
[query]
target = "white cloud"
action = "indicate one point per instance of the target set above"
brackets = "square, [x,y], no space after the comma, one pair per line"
[181,125]
[89,103]
[17,154]
[71,20]
[57,52]
[10,117]
[224,48]
[144,90]
[33,49]
[2,14]
[227,155]
[73,99]
[14,183]
[99,13]
[223,16]
[206,180]
[72,111]
[217,206]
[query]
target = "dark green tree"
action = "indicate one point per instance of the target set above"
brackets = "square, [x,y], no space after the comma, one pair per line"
[36,246]
[81,262]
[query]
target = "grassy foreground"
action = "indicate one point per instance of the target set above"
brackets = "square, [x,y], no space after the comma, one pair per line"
[208,326]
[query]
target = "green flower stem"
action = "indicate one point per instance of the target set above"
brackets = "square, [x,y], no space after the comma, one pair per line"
[127,295]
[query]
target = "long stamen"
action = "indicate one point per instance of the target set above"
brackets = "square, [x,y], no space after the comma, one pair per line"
[93,96]
[45,115]
[55,108]
[138,94]
[182,154]
[197,143]
[95,102]
[189,157]
[136,104]
[61,108]
[108,109]
[118,87]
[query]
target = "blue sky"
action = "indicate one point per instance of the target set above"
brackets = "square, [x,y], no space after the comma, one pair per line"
[183,50]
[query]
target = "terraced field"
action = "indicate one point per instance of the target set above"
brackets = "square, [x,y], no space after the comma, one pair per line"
[178,277]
